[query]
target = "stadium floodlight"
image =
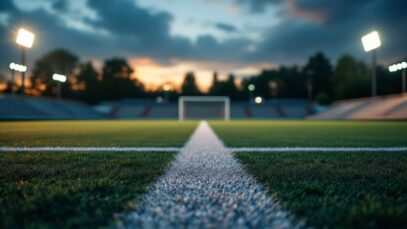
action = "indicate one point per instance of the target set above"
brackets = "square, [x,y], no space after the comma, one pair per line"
[370,43]
[166,87]
[251,89]
[203,107]
[15,67]
[25,39]
[258,100]
[60,79]
[18,67]
[402,66]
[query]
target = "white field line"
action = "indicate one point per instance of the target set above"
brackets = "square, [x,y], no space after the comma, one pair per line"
[318,149]
[177,149]
[206,187]
[89,149]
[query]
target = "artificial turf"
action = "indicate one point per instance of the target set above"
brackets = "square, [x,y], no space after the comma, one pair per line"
[73,190]
[328,190]
[85,190]
[311,133]
[336,190]
[96,133]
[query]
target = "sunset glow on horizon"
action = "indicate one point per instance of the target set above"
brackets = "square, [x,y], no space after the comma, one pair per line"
[154,74]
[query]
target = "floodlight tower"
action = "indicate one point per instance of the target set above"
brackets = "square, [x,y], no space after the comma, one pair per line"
[397,67]
[370,43]
[166,89]
[25,39]
[60,79]
[251,88]
[15,67]
[12,77]
[258,100]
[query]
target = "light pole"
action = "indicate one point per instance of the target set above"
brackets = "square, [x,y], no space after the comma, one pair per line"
[25,39]
[16,67]
[60,79]
[371,42]
[12,77]
[309,89]
[166,89]
[251,88]
[258,100]
[397,67]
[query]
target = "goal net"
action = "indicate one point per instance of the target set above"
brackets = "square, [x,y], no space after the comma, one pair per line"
[203,107]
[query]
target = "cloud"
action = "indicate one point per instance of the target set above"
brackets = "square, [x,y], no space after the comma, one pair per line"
[6,5]
[226,27]
[258,6]
[329,12]
[334,27]
[60,5]
[124,28]
[142,32]
[131,31]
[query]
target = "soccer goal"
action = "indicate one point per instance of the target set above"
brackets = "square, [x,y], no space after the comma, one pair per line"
[203,107]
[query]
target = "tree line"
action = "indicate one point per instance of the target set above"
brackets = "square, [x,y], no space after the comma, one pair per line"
[318,80]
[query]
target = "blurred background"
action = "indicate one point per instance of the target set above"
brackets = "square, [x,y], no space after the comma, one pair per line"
[134,59]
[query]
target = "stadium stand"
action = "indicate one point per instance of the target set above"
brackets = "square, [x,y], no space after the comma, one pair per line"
[273,109]
[40,108]
[166,111]
[264,112]
[391,107]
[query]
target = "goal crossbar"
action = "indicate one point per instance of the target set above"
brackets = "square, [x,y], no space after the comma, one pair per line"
[183,99]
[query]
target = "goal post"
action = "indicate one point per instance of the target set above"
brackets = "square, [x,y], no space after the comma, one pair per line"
[203,107]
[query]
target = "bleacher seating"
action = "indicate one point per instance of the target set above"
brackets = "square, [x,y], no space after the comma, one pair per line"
[27,108]
[165,111]
[264,112]
[377,108]
[40,108]
[273,109]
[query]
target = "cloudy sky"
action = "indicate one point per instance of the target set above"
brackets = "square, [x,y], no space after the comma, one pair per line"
[163,39]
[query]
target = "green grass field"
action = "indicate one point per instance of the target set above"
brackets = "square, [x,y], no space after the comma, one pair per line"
[96,133]
[311,133]
[80,189]
[335,190]
[73,190]
[328,190]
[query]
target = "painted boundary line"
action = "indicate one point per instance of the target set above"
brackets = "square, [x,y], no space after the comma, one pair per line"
[177,149]
[89,149]
[206,187]
[319,149]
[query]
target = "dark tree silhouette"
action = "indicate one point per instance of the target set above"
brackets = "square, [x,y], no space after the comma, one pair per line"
[87,80]
[57,61]
[318,73]
[214,87]
[116,80]
[285,82]
[224,88]
[230,87]
[351,78]
[189,86]
[388,82]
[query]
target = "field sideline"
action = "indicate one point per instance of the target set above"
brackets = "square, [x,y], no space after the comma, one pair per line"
[96,133]
[361,182]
